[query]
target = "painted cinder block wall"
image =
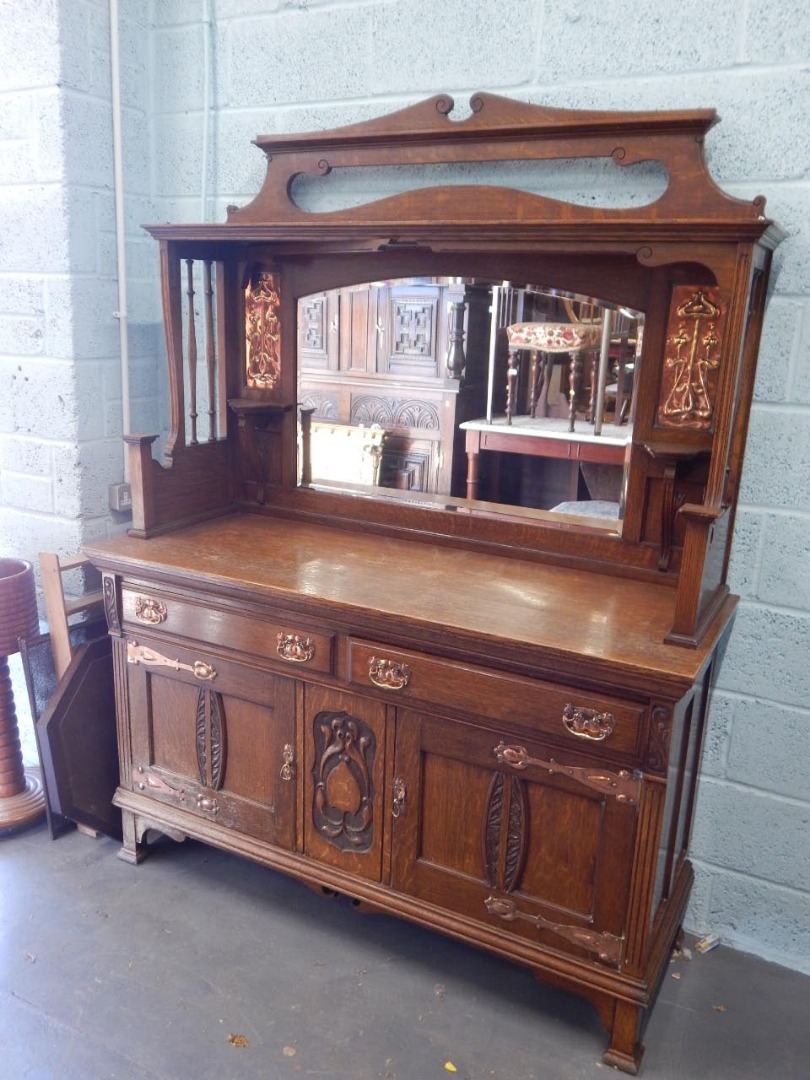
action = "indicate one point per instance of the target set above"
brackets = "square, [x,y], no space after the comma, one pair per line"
[303,64]
[60,381]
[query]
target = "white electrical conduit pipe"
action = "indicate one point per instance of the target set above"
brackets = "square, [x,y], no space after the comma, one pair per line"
[120,238]
[206,18]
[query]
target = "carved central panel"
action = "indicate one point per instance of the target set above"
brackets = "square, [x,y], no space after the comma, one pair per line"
[343,796]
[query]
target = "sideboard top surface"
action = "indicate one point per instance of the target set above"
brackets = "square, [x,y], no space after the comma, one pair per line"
[426,592]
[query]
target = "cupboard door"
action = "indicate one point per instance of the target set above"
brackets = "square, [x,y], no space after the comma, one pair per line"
[500,832]
[344,785]
[214,738]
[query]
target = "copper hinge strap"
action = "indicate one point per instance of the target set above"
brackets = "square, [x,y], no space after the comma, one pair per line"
[623,785]
[141,654]
[608,947]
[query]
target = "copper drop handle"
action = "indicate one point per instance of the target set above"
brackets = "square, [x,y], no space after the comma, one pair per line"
[288,768]
[588,723]
[398,804]
[295,648]
[388,674]
[151,611]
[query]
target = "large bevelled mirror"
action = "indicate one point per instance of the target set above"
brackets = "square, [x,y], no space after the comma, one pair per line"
[470,395]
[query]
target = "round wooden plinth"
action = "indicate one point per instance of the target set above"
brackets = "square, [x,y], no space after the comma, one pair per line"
[23,809]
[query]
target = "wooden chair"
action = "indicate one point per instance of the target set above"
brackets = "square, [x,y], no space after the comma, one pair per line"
[554,342]
[341,453]
[60,608]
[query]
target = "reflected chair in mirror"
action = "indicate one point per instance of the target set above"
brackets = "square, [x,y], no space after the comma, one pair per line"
[548,344]
[340,453]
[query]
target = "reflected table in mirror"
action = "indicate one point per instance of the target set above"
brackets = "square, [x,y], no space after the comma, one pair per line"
[546,437]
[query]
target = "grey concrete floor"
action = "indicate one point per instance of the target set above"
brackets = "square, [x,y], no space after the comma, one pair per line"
[159,972]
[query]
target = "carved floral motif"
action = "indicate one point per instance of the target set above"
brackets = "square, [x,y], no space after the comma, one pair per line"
[324,406]
[660,726]
[394,412]
[343,797]
[692,358]
[111,610]
[262,331]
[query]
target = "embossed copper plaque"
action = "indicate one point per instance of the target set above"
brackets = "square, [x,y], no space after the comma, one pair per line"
[691,358]
[262,331]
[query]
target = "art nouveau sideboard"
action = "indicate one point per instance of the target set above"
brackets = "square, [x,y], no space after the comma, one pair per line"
[472,713]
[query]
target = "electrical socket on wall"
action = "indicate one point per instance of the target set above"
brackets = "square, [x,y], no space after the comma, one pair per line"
[120,497]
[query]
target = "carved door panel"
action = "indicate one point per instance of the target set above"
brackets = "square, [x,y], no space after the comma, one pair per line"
[213,738]
[344,784]
[319,332]
[410,315]
[500,832]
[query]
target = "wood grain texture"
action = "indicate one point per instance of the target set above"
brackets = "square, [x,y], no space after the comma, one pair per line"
[502,607]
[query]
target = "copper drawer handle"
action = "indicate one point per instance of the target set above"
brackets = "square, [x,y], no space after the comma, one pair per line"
[588,723]
[295,648]
[140,654]
[151,611]
[388,674]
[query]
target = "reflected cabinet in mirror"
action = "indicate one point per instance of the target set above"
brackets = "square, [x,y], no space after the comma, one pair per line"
[468,395]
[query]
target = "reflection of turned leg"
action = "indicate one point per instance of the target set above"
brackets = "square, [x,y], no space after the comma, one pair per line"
[546,371]
[533,384]
[472,475]
[511,383]
[573,389]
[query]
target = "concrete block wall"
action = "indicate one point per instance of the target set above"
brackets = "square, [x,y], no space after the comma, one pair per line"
[60,406]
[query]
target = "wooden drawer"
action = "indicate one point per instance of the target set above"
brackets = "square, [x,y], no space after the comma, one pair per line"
[568,714]
[290,645]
